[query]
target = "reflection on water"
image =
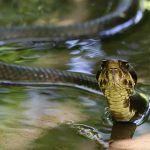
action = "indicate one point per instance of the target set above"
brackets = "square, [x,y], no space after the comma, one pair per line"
[35,118]
[83,54]
[31,114]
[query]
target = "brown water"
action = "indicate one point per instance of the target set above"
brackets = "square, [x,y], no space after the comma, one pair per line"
[36,117]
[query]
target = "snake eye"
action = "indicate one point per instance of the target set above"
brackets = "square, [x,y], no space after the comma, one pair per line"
[127,65]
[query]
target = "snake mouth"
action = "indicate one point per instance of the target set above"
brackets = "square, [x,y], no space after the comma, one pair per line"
[113,68]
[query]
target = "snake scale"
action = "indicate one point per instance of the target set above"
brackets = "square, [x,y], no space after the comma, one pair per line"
[115,80]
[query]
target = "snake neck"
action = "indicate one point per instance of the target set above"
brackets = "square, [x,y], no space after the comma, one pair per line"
[119,103]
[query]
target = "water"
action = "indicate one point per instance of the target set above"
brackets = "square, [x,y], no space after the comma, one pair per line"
[36,117]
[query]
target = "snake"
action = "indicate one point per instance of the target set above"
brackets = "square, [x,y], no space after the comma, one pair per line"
[116,79]
[126,14]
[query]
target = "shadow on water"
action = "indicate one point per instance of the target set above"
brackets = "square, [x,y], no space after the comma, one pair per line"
[35,118]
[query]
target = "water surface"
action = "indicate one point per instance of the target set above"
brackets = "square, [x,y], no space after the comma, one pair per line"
[36,117]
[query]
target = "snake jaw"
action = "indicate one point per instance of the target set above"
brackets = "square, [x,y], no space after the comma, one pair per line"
[116,82]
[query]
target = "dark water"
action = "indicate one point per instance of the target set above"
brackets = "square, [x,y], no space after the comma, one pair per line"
[36,117]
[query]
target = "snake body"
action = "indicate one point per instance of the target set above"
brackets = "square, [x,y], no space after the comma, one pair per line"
[116,80]
[125,15]
[17,74]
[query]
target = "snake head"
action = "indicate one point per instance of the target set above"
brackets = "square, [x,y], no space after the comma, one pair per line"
[116,72]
